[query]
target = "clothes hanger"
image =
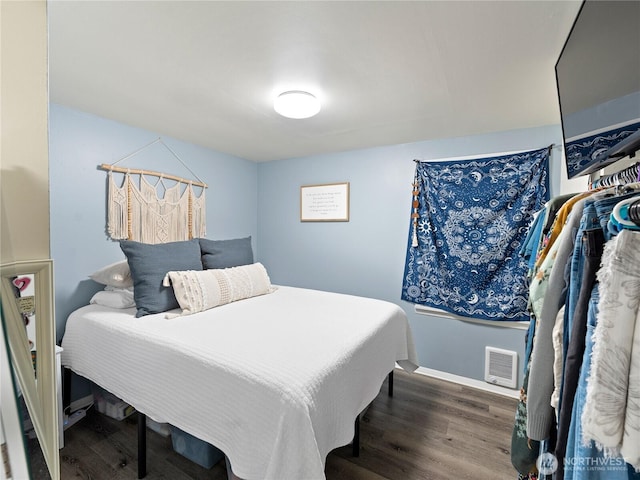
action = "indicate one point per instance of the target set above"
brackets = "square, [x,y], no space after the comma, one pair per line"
[626,176]
[620,214]
[634,212]
[624,188]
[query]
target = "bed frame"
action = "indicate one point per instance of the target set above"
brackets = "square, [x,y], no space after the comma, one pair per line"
[142,422]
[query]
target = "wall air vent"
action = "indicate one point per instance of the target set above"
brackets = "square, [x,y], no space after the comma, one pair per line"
[501,367]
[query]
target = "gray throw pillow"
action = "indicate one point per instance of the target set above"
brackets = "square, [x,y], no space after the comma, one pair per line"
[226,253]
[150,263]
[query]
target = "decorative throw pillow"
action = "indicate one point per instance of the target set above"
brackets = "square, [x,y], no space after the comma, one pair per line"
[114,275]
[114,298]
[198,291]
[226,253]
[150,263]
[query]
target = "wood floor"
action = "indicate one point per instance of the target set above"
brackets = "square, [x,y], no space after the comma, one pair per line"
[430,429]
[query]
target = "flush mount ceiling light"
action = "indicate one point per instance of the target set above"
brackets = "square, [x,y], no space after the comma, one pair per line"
[296,104]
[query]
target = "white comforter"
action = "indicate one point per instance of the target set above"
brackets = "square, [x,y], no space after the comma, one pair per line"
[274,381]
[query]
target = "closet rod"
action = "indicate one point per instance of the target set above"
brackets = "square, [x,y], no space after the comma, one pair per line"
[137,171]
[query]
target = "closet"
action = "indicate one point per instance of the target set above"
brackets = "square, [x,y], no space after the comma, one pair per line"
[579,413]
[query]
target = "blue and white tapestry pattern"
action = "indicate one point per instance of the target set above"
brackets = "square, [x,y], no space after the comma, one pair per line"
[585,152]
[471,217]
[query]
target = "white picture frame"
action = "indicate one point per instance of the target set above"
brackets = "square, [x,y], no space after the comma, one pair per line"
[327,202]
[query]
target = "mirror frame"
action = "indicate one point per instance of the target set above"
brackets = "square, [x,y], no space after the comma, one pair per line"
[10,415]
[40,396]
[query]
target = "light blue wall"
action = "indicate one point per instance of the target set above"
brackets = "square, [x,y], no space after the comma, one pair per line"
[604,116]
[79,142]
[365,256]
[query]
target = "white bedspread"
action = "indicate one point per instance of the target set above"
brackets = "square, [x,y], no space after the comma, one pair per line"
[275,381]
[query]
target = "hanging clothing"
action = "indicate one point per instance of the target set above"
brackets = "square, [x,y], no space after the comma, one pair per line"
[524,452]
[542,225]
[558,353]
[531,243]
[540,414]
[530,250]
[606,408]
[592,244]
[558,224]
[585,295]
[596,213]
[630,449]
[584,461]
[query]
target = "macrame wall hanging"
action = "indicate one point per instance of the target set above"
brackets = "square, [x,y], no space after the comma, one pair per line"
[136,210]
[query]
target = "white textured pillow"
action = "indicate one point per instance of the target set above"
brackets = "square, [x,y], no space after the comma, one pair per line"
[114,275]
[114,297]
[201,290]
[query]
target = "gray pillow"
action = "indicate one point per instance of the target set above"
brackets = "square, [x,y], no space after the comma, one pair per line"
[226,253]
[150,263]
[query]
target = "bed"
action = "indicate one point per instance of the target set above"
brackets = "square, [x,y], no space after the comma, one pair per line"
[275,381]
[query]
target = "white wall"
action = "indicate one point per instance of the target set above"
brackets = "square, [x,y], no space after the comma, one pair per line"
[24,163]
[24,172]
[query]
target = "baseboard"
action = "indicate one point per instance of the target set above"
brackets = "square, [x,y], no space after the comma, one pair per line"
[468,382]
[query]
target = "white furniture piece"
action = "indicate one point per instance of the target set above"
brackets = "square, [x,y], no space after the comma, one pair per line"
[59,395]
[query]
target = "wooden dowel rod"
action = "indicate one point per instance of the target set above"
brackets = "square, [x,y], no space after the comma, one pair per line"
[137,171]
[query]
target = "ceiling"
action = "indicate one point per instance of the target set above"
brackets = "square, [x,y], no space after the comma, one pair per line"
[387,72]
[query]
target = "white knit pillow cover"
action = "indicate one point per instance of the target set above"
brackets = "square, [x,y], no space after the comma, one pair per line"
[197,291]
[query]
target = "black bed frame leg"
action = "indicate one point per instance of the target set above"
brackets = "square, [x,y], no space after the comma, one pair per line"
[356,429]
[356,438]
[142,445]
[66,390]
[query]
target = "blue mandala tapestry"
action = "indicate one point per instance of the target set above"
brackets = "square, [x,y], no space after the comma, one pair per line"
[469,219]
[588,151]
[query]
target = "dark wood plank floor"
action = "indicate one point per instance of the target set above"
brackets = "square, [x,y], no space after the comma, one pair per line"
[430,429]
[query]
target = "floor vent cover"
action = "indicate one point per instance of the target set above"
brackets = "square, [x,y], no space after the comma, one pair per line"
[501,367]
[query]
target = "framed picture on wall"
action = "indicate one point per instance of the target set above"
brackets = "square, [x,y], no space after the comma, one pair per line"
[324,203]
